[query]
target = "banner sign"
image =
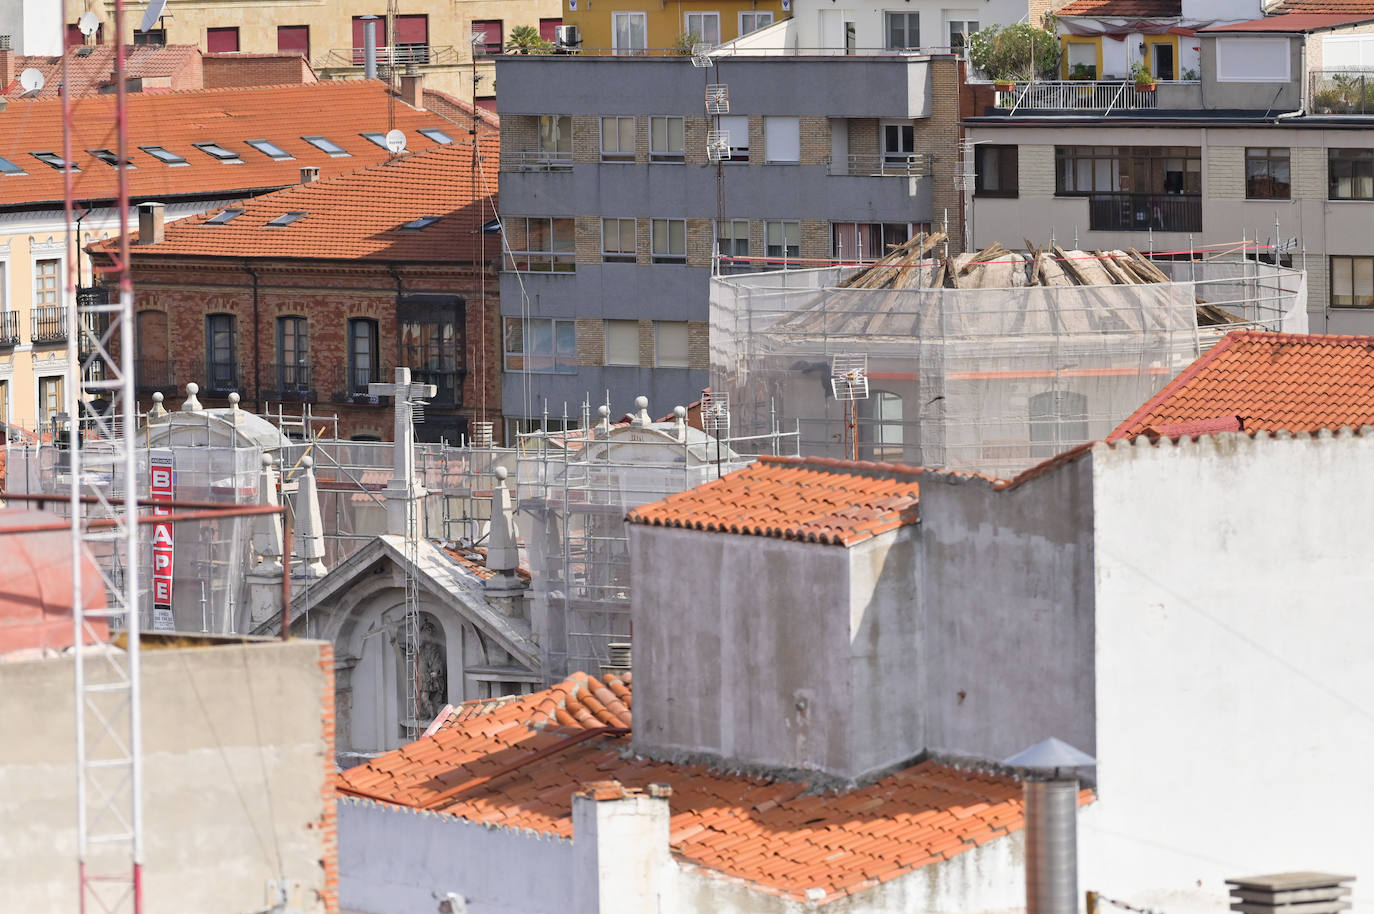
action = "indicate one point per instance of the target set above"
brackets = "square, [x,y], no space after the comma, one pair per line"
[160,486]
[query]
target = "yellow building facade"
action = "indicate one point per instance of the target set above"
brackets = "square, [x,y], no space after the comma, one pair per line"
[435,37]
[666,26]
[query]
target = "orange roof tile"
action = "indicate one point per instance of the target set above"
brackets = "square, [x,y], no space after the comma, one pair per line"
[339,110]
[357,216]
[1353,7]
[816,499]
[495,768]
[1303,20]
[91,67]
[1269,382]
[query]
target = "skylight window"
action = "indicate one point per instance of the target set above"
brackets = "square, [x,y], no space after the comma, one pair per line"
[166,156]
[284,219]
[271,150]
[423,222]
[375,137]
[224,216]
[329,146]
[109,158]
[436,135]
[218,151]
[9,168]
[55,160]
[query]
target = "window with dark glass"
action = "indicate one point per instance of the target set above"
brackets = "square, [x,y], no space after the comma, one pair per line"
[293,355]
[362,354]
[995,171]
[903,30]
[221,346]
[433,351]
[1350,174]
[1267,173]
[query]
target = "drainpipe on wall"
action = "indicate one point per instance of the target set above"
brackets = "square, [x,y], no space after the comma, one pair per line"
[395,274]
[1302,88]
[257,379]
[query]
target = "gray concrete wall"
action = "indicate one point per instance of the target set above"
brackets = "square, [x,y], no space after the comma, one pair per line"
[394,860]
[238,752]
[1260,96]
[1007,597]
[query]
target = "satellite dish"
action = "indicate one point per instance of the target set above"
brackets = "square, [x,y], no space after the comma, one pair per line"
[31,79]
[151,15]
[88,23]
[395,141]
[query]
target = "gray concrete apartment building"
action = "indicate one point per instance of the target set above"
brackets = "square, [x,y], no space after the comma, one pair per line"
[1274,142]
[614,212]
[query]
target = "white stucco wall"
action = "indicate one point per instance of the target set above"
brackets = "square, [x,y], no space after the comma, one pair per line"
[236,756]
[1234,714]
[814,17]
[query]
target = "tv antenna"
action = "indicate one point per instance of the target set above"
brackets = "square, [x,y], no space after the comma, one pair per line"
[715,419]
[849,384]
[151,15]
[395,142]
[88,24]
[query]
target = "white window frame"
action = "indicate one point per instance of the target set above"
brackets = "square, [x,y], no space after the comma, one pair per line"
[619,331]
[556,154]
[669,154]
[676,327]
[758,17]
[964,29]
[632,15]
[782,140]
[555,324]
[43,424]
[739,151]
[619,255]
[899,156]
[704,16]
[57,280]
[618,154]
[1233,55]
[662,246]
[785,256]
[552,259]
[887,29]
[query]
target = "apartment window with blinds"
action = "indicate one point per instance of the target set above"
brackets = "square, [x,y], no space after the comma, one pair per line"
[732,241]
[617,139]
[903,30]
[618,240]
[1268,174]
[293,39]
[737,128]
[363,368]
[1350,174]
[622,343]
[670,344]
[670,240]
[1352,282]
[665,139]
[782,240]
[782,140]
[491,30]
[222,40]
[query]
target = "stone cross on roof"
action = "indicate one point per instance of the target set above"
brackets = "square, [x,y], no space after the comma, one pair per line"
[403,486]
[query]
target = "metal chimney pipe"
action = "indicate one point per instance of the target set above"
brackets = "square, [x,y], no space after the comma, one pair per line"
[370,47]
[1052,846]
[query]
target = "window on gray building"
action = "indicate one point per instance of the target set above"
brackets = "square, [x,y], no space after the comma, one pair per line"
[782,240]
[617,139]
[541,345]
[1350,174]
[622,343]
[1267,173]
[1352,282]
[995,171]
[670,344]
[670,241]
[618,240]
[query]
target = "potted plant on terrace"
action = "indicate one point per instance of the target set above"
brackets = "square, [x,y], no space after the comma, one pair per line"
[1144,79]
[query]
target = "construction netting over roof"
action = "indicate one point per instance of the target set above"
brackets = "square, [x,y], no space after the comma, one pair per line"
[988,362]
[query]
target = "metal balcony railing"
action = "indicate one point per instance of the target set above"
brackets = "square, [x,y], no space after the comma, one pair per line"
[291,382]
[154,374]
[49,324]
[405,55]
[535,160]
[882,165]
[448,386]
[1348,91]
[1139,212]
[222,378]
[9,328]
[1077,95]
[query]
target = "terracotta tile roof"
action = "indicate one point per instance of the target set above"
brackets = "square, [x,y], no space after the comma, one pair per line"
[1271,382]
[478,565]
[1347,7]
[88,72]
[358,216]
[1116,9]
[1305,21]
[815,499]
[339,110]
[781,836]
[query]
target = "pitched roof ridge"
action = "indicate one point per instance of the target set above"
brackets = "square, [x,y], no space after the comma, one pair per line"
[841,466]
[1228,342]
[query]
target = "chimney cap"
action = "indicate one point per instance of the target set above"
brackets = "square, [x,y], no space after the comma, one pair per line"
[1050,754]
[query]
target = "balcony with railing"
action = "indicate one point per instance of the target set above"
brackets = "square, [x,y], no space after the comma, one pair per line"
[1075,95]
[448,386]
[1348,91]
[9,329]
[156,375]
[536,160]
[1141,212]
[881,165]
[49,324]
[401,56]
[290,383]
[222,378]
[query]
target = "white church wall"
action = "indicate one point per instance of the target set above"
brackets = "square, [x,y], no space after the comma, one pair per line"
[1234,723]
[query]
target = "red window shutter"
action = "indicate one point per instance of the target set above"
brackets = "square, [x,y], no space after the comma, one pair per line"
[359,37]
[221,41]
[293,39]
[74,36]
[412,29]
[490,29]
[547,28]
[487,103]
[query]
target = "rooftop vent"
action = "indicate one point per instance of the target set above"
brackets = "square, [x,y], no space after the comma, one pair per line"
[309,174]
[1311,893]
[620,658]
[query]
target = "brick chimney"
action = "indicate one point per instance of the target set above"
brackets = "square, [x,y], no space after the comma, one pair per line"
[413,89]
[310,174]
[6,63]
[150,222]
